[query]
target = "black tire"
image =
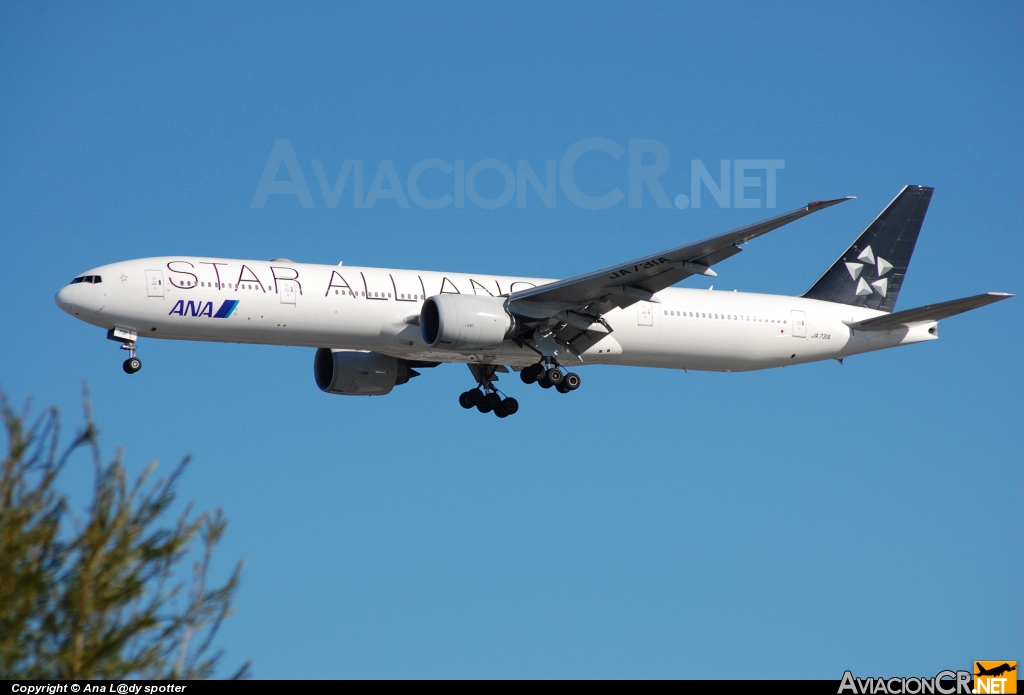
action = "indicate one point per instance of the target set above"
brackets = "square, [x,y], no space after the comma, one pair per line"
[493,401]
[544,382]
[572,381]
[464,400]
[510,406]
[528,375]
[500,413]
[555,376]
[475,397]
[483,407]
[562,387]
[132,365]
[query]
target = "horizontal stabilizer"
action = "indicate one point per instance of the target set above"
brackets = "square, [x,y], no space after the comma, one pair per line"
[929,313]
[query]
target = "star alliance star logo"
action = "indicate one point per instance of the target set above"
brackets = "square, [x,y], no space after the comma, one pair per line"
[881,285]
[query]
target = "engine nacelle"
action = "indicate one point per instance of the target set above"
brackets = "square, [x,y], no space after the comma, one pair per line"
[465,322]
[352,373]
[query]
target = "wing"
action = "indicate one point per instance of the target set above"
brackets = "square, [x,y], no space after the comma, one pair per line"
[565,316]
[929,313]
[622,285]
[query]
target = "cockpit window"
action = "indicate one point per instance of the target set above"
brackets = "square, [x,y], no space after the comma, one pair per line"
[92,279]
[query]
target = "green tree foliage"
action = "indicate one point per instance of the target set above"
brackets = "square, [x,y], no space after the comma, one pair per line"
[101,596]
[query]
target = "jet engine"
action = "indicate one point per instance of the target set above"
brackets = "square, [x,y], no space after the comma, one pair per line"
[353,373]
[465,322]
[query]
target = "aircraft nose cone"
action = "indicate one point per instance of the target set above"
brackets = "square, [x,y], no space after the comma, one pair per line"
[63,299]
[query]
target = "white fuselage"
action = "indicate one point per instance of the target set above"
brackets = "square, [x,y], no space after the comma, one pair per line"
[344,307]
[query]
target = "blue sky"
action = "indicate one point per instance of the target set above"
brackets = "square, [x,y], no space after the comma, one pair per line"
[793,522]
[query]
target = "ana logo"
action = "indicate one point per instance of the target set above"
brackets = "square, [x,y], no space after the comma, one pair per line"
[995,676]
[190,308]
[881,285]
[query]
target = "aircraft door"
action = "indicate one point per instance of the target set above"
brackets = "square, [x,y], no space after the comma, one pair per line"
[154,283]
[799,324]
[645,314]
[287,290]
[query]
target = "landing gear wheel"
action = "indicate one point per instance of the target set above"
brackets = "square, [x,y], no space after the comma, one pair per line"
[554,376]
[531,374]
[491,401]
[474,397]
[562,387]
[571,381]
[132,365]
[509,406]
[464,400]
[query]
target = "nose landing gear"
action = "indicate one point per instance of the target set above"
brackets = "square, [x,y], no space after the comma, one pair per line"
[127,339]
[132,364]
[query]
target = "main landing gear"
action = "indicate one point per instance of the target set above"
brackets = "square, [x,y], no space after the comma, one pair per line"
[489,402]
[550,376]
[485,397]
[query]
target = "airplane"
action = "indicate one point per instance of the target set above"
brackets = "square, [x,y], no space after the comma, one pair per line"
[996,670]
[373,328]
